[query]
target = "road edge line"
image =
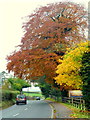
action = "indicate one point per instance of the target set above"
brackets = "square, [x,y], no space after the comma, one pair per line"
[52,115]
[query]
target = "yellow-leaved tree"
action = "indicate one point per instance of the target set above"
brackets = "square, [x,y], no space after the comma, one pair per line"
[68,70]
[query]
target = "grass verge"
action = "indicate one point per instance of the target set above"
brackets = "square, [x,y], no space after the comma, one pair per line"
[77,113]
[50,99]
[6,104]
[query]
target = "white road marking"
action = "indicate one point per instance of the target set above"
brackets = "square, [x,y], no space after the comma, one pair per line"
[52,108]
[16,114]
[25,108]
[52,115]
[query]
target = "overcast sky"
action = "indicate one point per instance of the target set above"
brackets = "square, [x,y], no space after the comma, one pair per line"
[11,13]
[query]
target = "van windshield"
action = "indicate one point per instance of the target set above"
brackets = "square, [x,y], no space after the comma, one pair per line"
[21,96]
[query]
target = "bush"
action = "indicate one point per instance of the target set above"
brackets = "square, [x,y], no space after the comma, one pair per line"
[9,95]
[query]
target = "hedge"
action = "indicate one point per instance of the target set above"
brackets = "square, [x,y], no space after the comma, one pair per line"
[8,95]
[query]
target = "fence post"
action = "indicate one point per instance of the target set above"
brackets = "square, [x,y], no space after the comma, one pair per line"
[72,100]
[84,105]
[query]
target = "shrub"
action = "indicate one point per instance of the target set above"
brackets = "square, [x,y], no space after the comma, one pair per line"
[9,95]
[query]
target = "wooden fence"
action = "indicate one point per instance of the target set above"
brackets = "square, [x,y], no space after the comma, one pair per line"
[75,101]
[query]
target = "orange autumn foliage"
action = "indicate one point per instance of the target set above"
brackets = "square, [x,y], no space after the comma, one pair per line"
[48,32]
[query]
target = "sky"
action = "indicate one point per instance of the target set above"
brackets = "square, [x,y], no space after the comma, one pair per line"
[12,13]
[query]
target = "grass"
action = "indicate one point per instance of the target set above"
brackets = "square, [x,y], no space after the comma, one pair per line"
[6,104]
[77,113]
[50,99]
[32,94]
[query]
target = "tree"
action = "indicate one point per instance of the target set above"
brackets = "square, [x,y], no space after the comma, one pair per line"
[85,76]
[6,85]
[48,31]
[47,89]
[18,84]
[27,65]
[68,70]
[52,24]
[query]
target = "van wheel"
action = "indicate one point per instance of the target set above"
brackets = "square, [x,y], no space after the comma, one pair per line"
[17,103]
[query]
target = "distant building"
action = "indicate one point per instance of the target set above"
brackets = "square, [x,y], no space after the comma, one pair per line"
[32,88]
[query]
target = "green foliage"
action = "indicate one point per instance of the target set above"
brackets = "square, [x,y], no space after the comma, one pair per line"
[6,85]
[18,84]
[8,98]
[47,89]
[85,76]
[55,93]
[6,104]
[9,95]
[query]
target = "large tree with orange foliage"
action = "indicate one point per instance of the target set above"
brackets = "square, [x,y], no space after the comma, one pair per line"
[48,31]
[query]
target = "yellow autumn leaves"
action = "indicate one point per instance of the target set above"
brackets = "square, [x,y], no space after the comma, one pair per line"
[68,70]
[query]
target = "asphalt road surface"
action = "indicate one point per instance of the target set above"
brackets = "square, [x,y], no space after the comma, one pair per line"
[33,109]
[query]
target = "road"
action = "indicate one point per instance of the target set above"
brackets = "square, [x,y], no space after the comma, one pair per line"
[33,109]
